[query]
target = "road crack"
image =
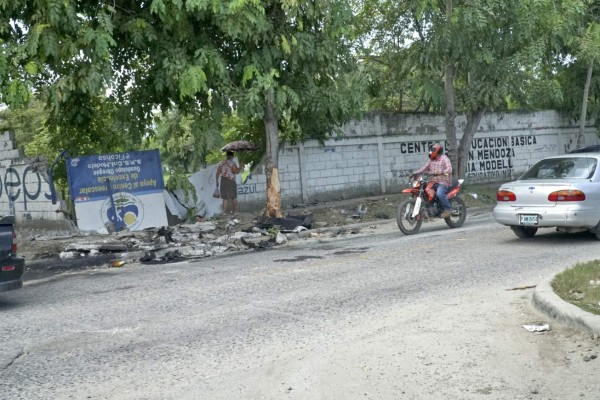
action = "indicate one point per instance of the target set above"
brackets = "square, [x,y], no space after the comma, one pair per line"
[8,363]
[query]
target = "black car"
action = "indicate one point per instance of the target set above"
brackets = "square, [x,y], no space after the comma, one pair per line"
[11,266]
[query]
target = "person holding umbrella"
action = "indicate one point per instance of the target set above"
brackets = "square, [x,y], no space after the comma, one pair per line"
[226,171]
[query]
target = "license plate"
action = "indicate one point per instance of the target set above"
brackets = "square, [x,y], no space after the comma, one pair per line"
[528,219]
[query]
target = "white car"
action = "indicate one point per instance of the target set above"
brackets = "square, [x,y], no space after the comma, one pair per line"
[561,192]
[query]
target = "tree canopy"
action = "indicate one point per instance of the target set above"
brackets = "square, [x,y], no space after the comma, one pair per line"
[181,72]
[469,57]
[285,62]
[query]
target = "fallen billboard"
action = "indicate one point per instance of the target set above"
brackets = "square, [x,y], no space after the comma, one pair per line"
[117,191]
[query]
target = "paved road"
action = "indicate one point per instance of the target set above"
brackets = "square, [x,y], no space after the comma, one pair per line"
[373,316]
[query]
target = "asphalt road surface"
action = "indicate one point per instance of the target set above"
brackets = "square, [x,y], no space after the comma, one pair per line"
[377,315]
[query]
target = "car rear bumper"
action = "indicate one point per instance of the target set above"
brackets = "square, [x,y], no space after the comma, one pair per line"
[10,280]
[570,217]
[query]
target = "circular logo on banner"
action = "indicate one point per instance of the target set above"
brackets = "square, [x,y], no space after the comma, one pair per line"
[129,210]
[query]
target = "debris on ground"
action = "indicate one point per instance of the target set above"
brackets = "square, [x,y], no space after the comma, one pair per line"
[358,213]
[117,264]
[168,243]
[537,327]
[522,287]
[205,238]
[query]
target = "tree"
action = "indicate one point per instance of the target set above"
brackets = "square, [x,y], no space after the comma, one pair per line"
[29,125]
[279,61]
[297,74]
[482,53]
[588,50]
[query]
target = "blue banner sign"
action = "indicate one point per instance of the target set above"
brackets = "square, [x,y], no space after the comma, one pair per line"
[135,172]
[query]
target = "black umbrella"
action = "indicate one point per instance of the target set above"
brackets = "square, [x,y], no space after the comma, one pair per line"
[239,145]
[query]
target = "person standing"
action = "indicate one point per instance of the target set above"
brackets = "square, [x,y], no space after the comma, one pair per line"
[440,167]
[226,172]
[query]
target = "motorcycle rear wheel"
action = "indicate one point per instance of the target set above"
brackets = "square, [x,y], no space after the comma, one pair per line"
[408,224]
[458,215]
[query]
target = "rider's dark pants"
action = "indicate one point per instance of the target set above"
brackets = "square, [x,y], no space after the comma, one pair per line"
[442,195]
[441,192]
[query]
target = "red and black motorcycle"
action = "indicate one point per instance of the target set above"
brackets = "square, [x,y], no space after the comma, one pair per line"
[412,212]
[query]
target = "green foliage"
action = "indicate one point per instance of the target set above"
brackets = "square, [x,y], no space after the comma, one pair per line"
[181,181]
[106,69]
[184,140]
[272,232]
[499,50]
[29,125]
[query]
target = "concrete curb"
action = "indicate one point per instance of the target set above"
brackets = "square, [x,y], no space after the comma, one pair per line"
[548,302]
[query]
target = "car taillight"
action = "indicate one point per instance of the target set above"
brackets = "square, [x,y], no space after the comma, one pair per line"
[567,195]
[13,249]
[505,195]
[8,268]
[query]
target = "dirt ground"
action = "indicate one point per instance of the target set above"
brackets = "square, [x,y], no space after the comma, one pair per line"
[39,245]
[336,213]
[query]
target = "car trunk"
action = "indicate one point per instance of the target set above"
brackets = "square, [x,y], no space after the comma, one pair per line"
[534,193]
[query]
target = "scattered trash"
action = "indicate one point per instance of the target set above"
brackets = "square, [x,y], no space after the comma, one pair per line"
[358,213]
[288,223]
[299,228]
[523,287]
[474,195]
[281,238]
[537,327]
[576,295]
[117,264]
[68,254]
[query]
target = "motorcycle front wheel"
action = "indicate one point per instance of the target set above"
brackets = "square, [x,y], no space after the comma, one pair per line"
[408,224]
[458,215]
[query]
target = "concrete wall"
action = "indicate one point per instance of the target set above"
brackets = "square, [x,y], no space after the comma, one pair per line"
[24,189]
[376,154]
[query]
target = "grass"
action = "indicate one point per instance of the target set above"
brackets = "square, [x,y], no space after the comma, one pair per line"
[580,285]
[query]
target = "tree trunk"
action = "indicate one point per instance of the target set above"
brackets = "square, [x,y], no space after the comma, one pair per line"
[450,116]
[450,109]
[584,103]
[273,208]
[473,120]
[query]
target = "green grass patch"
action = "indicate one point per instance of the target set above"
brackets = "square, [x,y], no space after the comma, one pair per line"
[580,285]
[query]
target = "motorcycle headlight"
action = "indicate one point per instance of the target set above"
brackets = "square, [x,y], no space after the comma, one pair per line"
[415,183]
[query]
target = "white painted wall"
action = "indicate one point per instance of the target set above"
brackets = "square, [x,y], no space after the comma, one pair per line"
[376,154]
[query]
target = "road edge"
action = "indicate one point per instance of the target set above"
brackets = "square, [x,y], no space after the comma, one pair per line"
[547,301]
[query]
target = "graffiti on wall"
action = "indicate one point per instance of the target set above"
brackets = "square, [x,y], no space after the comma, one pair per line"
[246,188]
[22,185]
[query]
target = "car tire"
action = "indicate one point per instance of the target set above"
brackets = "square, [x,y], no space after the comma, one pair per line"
[524,232]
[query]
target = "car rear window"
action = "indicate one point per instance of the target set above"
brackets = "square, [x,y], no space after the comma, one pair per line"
[562,168]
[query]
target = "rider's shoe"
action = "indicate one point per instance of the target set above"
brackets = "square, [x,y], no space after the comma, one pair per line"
[446,214]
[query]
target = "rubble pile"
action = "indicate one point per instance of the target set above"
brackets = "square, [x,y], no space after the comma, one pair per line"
[180,242]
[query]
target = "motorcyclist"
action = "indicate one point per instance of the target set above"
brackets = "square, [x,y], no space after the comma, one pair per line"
[440,167]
